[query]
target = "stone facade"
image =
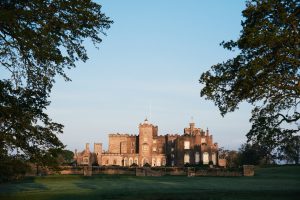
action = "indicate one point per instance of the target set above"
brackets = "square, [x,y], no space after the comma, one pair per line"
[195,146]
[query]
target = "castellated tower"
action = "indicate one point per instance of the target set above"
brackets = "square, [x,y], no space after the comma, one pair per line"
[87,148]
[98,152]
[146,133]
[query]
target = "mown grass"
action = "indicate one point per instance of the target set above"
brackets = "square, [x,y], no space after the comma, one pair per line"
[269,183]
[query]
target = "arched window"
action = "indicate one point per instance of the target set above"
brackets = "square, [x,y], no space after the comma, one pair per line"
[186,144]
[197,157]
[145,147]
[153,162]
[186,158]
[214,158]
[144,161]
[205,158]
[130,161]
[136,161]
[158,162]
[163,161]
[125,162]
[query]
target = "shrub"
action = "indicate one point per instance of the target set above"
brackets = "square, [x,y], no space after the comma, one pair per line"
[147,165]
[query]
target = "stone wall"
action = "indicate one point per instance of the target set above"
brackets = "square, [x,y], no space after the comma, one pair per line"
[248,170]
[153,171]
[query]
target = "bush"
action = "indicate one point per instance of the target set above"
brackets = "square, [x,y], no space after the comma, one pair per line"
[187,165]
[147,165]
[133,165]
[12,169]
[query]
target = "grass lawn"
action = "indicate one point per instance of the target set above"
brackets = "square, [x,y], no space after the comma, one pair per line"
[268,183]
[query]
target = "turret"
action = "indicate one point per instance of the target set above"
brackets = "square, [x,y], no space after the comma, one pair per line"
[87,147]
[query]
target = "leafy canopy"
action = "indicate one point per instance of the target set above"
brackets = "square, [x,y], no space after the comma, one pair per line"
[39,39]
[265,73]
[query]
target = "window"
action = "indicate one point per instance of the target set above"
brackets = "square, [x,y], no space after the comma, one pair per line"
[205,158]
[144,161]
[172,149]
[154,141]
[132,144]
[130,161]
[203,140]
[85,160]
[186,158]
[132,150]
[145,147]
[125,162]
[214,158]
[172,155]
[197,157]
[186,144]
[153,162]
[145,139]
[158,162]
[154,148]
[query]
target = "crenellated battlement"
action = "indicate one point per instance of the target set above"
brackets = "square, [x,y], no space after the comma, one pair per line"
[118,135]
[173,135]
[124,149]
[132,135]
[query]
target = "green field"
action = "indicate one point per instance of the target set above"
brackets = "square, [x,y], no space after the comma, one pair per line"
[268,183]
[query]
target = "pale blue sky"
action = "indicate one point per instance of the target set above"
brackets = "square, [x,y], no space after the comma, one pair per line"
[153,55]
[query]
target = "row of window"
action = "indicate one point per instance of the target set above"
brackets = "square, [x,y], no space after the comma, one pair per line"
[205,158]
[187,143]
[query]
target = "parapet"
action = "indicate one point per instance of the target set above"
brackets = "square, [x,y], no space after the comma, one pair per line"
[173,135]
[118,135]
[132,135]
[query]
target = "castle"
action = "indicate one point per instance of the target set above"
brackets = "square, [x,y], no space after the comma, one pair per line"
[195,146]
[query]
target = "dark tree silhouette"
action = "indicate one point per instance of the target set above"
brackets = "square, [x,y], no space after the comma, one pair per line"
[39,39]
[265,73]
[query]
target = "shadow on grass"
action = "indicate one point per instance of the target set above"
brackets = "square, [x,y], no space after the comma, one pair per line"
[28,184]
[190,195]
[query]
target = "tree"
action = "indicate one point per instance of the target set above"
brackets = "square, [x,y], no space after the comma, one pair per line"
[66,157]
[39,39]
[291,149]
[265,72]
[253,155]
[231,157]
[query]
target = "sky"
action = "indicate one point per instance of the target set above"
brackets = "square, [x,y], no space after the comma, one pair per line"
[149,65]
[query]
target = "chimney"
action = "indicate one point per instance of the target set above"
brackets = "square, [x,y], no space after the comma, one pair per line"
[87,148]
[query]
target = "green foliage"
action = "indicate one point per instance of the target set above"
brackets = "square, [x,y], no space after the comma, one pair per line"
[146,165]
[39,39]
[291,149]
[66,157]
[187,165]
[12,167]
[133,165]
[25,129]
[253,155]
[265,73]
[232,157]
